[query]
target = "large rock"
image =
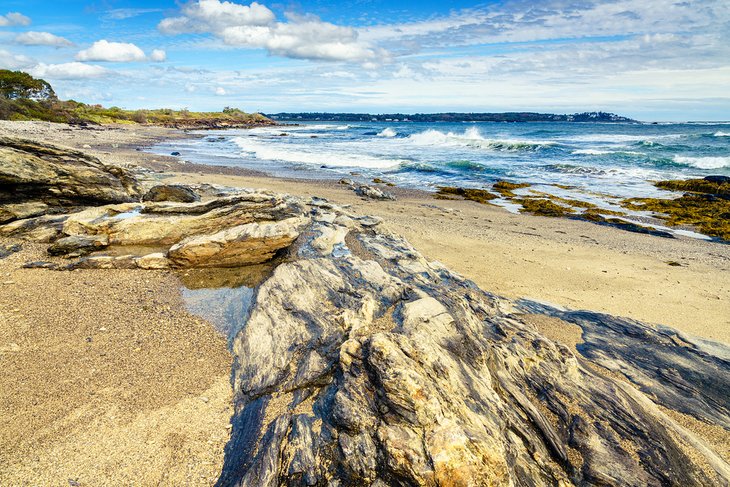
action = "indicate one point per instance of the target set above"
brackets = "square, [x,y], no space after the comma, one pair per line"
[165,224]
[57,176]
[171,192]
[248,244]
[362,363]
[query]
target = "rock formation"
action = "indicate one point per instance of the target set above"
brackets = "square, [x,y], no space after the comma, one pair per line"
[362,363]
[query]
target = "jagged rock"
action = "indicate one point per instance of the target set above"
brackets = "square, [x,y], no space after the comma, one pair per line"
[165,224]
[371,192]
[78,244]
[252,243]
[376,367]
[56,176]
[171,192]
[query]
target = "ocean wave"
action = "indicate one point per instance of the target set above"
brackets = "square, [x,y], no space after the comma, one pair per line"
[474,139]
[466,165]
[302,155]
[599,152]
[572,169]
[387,132]
[703,162]
[722,134]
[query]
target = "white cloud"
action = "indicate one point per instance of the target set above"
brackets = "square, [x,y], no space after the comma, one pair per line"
[119,52]
[158,55]
[8,60]
[255,26]
[214,15]
[105,51]
[73,70]
[11,19]
[220,91]
[32,38]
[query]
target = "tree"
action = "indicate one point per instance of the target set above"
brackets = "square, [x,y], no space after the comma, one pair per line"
[17,85]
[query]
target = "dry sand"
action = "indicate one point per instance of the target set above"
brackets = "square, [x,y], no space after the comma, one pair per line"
[106,380]
[147,399]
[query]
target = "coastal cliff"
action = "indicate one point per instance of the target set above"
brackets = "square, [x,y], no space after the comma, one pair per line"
[361,362]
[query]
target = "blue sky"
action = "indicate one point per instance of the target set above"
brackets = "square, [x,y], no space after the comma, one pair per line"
[653,60]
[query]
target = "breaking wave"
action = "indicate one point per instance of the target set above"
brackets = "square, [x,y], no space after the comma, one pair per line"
[387,132]
[703,162]
[313,155]
[474,139]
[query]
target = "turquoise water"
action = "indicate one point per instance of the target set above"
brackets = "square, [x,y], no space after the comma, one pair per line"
[601,162]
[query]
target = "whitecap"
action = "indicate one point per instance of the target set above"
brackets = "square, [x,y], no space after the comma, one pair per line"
[312,155]
[474,139]
[722,134]
[387,132]
[704,162]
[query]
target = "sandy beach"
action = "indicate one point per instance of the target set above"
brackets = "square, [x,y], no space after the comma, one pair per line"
[122,378]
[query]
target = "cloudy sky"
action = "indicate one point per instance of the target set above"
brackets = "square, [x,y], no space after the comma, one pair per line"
[649,59]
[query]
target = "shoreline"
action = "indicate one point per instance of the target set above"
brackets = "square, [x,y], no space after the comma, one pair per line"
[162,409]
[515,255]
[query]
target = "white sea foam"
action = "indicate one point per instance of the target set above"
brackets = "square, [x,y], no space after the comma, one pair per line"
[266,150]
[591,152]
[387,132]
[722,134]
[474,139]
[704,162]
[620,138]
[599,152]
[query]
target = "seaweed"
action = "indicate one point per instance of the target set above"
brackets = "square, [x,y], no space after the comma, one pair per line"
[505,188]
[543,207]
[479,195]
[710,214]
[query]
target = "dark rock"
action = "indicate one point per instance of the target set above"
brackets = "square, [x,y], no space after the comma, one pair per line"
[41,265]
[78,244]
[31,171]
[8,249]
[174,153]
[718,179]
[171,192]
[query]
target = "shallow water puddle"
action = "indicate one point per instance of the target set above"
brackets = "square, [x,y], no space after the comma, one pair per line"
[223,296]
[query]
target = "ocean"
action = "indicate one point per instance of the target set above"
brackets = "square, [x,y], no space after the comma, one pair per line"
[595,162]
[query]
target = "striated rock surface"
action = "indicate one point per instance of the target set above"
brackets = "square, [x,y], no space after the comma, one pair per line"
[363,364]
[59,177]
[248,244]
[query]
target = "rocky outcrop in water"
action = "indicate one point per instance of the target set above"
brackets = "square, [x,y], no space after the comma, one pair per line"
[362,363]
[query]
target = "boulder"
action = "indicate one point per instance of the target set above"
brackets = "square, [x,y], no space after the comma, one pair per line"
[252,243]
[59,177]
[374,366]
[371,192]
[171,192]
[79,244]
